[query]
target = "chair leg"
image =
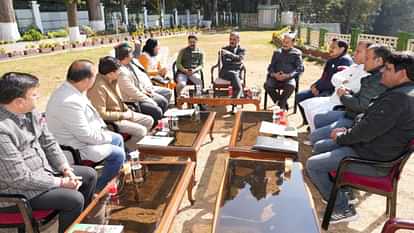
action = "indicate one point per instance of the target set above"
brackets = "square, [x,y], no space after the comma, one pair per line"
[265,100]
[393,205]
[21,230]
[329,208]
[388,206]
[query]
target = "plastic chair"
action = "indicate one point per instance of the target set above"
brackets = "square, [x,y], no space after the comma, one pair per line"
[395,224]
[295,106]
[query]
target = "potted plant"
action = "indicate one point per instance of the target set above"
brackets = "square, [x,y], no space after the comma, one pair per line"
[3,54]
[75,44]
[15,54]
[30,50]
[45,47]
[57,46]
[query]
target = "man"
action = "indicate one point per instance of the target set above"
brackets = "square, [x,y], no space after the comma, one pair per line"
[31,161]
[349,78]
[286,65]
[75,122]
[132,89]
[382,134]
[232,57]
[354,103]
[189,63]
[106,98]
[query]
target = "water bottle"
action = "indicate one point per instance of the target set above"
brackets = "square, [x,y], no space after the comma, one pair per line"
[211,91]
[198,90]
[230,91]
[175,123]
[197,112]
[275,115]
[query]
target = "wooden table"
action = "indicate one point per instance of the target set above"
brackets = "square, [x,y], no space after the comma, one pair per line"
[188,138]
[244,134]
[219,100]
[160,195]
[264,196]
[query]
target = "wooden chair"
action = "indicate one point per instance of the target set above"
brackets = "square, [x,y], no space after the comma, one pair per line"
[189,82]
[395,224]
[381,185]
[219,83]
[295,105]
[25,219]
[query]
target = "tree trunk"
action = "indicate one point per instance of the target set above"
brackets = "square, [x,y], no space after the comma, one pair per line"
[96,19]
[72,14]
[8,24]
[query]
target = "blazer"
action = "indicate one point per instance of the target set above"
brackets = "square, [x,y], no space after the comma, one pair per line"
[75,122]
[30,156]
[130,86]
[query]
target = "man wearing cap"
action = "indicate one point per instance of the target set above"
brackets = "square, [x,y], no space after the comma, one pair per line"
[286,65]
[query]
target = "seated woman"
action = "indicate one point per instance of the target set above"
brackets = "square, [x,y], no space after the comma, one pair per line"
[349,78]
[106,98]
[149,59]
[323,86]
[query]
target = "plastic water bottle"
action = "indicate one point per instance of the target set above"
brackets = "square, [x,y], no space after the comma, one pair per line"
[275,115]
[210,91]
[197,112]
[230,91]
[198,90]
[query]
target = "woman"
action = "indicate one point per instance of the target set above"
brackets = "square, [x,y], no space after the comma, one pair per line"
[149,59]
[106,98]
[323,86]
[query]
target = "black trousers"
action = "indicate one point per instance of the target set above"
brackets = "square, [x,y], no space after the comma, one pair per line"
[280,91]
[70,203]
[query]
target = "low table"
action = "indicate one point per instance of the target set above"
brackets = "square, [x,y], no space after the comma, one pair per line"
[220,98]
[244,134]
[159,198]
[188,138]
[264,197]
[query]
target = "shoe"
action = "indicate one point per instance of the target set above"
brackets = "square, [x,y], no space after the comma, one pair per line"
[352,200]
[347,215]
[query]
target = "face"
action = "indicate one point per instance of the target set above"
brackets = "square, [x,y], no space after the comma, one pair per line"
[287,42]
[360,53]
[113,75]
[390,77]
[192,43]
[28,102]
[157,49]
[335,50]
[371,61]
[234,40]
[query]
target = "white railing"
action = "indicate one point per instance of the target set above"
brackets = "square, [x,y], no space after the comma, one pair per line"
[314,39]
[410,46]
[303,34]
[329,36]
[385,40]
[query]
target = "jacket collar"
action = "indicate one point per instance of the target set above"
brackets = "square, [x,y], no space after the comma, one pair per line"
[375,70]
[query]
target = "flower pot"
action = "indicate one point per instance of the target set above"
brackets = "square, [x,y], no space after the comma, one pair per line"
[29,52]
[15,54]
[4,56]
[45,50]
[57,48]
[76,46]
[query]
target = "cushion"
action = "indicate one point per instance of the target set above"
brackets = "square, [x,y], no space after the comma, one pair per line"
[16,218]
[383,183]
[221,81]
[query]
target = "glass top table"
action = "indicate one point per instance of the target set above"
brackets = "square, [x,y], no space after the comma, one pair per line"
[258,196]
[244,134]
[149,206]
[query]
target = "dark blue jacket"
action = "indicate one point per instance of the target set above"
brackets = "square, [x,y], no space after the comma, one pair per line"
[324,84]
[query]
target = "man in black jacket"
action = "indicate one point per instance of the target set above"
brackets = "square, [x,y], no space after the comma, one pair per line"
[286,65]
[232,57]
[382,134]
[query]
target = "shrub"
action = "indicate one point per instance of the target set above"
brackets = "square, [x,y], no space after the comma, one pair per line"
[2,51]
[88,31]
[56,34]
[32,35]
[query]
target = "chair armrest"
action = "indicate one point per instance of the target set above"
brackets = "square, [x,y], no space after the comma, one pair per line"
[112,126]
[216,66]
[134,106]
[75,154]
[394,224]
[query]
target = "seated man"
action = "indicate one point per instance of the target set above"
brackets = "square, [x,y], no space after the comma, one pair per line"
[323,86]
[232,57]
[286,64]
[75,122]
[189,63]
[354,103]
[349,78]
[106,98]
[132,89]
[145,80]
[32,163]
[382,134]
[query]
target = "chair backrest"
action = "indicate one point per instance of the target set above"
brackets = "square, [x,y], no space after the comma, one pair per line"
[219,66]
[394,224]
[400,162]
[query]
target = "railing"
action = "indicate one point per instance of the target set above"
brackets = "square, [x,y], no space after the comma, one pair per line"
[410,46]
[314,39]
[329,36]
[303,34]
[385,40]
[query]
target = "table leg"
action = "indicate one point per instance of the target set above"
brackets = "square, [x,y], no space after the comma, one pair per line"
[190,190]
[257,106]
[211,132]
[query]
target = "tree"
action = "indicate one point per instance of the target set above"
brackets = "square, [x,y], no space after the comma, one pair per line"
[394,16]
[72,11]
[95,15]
[8,25]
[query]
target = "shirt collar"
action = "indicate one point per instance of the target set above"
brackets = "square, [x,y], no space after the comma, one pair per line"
[19,119]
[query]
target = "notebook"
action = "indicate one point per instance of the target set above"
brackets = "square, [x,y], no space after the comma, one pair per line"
[277,129]
[279,144]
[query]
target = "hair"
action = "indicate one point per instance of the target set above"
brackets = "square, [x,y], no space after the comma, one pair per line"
[341,44]
[122,51]
[14,85]
[403,61]
[80,70]
[149,46]
[290,35]
[236,34]
[380,51]
[367,43]
[192,36]
[108,64]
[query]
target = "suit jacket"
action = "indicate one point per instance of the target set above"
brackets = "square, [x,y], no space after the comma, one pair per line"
[29,155]
[130,86]
[75,122]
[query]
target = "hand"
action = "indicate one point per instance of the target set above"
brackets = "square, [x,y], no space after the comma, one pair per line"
[128,115]
[68,172]
[147,93]
[162,72]
[69,183]
[341,91]
[314,90]
[224,52]
[337,131]
[189,72]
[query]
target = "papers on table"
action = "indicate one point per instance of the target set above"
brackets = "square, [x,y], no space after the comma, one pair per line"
[94,228]
[155,141]
[280,144]
[178,112]
[276,129]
